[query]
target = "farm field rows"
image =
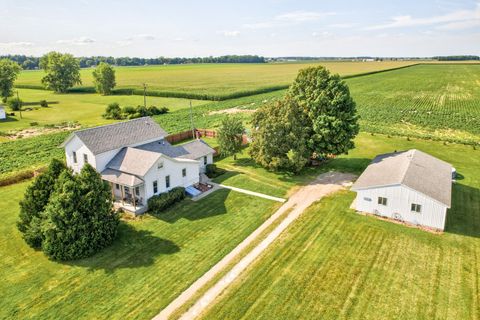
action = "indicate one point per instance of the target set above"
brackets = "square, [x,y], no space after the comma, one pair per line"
[333,263]
[425,98]
[154,259]
[216,79]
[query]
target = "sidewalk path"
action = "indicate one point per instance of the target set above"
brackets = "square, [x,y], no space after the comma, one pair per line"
[324,184]
[257,194]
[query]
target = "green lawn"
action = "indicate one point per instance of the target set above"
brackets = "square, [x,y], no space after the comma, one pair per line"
[216,79]
[153,260]
[86,108]
[333,263]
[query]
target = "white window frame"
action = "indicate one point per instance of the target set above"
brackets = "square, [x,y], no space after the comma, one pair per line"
[85,158]
[415,207]
[74,155]
[167,181]
[184,172]
[155,187]
[382,201]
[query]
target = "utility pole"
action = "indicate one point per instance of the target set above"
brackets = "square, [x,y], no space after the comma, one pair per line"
[191,120]
[145,95]
[20,106]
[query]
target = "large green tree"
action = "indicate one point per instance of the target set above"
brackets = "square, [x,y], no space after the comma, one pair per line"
[34,202]
[279,136]
[62,71]
[9,71]
[230,136]
[104,78]
[330,111]
[80,219]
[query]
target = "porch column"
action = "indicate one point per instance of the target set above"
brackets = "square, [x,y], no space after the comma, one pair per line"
[134,196]
[123,194]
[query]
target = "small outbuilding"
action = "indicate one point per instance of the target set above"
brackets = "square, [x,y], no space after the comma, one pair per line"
[409,186]
[3,114]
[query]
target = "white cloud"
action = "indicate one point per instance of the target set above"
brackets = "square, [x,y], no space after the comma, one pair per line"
[456,19]
[12,45]
[341,25]
[288,18]
[145,37]
[77,41]
[230,33]
[460,25]
[301,16]
[323,34]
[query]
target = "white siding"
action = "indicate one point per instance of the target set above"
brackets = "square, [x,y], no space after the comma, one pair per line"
[202,164]
[174,170]
[76,145]
[399,201]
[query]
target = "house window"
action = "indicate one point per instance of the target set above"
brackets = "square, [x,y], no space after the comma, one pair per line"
[205,160]
[74,154]
[382,201]
[155,187]
[137,191]
[160,165]
[184,172]
[416,207]
[117,186]
[167,182]
[127,189]
[85,158]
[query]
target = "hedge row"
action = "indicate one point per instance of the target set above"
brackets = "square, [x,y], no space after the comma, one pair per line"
[158,203]
[20,176]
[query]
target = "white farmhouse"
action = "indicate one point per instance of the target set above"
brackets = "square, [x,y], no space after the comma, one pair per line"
[137,161]
[3,115]
[409,186]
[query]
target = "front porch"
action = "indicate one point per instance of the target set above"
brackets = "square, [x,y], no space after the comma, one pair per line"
[128,191]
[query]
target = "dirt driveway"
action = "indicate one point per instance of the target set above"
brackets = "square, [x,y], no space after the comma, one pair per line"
[323,185]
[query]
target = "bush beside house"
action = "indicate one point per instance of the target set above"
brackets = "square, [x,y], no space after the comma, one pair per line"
[158,203]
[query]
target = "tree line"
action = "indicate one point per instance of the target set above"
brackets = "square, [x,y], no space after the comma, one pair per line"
[457,58]
[31,63]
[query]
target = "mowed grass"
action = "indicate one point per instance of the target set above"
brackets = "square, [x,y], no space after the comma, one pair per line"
[440,100]
[153,260]
[86,108]
[334,263]
[216,79]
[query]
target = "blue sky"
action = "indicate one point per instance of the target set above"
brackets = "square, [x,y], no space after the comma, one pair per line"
[268,27]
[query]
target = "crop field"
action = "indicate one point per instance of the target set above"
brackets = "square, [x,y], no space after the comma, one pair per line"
[215,80]
[86,108]
[153,260]
[335,264]
[441,99]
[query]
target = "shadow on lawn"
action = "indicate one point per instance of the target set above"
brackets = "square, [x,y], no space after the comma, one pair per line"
[210,206]
[464,216]
[133,248]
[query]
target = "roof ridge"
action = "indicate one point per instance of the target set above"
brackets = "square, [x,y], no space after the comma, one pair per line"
[112,124]
[409,163]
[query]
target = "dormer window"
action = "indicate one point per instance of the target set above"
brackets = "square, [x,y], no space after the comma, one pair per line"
[160,165]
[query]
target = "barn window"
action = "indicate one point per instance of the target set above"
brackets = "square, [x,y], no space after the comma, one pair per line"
[74,157]
[184,172]
[416,207]
[382,201]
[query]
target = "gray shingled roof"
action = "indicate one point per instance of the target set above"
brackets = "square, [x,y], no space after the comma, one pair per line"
[191,150]
[134,161]
[414,169]
[121,134]
[123,178]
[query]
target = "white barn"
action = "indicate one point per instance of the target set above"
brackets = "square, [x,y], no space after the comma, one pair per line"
[3,114]
[410,186]
[137,161]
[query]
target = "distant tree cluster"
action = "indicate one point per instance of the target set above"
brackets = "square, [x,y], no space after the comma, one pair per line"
[68,216]
[62,71]
[9,71]
[30,63]
[457,58]
[104,78]
[114,111]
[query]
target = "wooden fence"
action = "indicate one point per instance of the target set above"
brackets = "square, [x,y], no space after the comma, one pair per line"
[188,135]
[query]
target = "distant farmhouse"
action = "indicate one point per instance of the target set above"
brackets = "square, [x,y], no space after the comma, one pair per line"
[137,161]
[3,114]
[410,186]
